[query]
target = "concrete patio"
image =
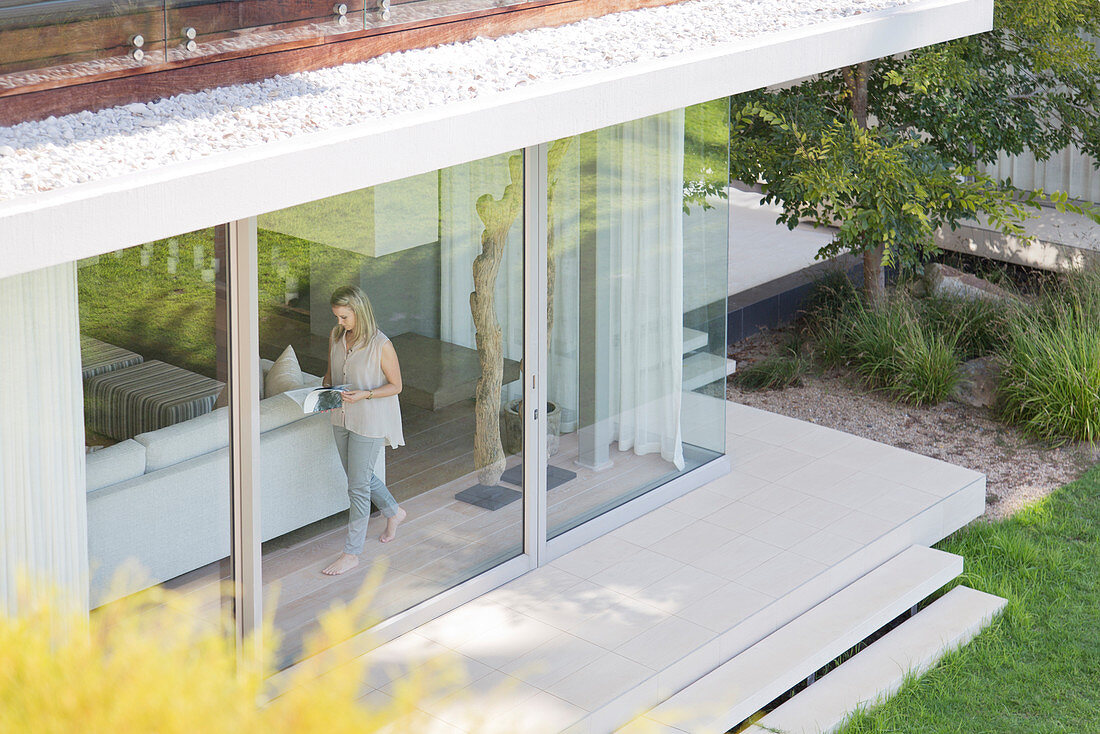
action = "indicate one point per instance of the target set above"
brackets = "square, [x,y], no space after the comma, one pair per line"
[597,638]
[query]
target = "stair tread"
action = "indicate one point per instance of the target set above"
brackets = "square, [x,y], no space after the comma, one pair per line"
[734,690]
[878,671]
[704,368]
[694,339]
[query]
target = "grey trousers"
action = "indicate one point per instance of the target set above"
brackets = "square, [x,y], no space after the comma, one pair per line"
[359,454]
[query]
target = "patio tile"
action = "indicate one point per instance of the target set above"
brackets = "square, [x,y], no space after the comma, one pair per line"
[568,608]
[509,640]
[596,556]
[781,575]
[602,680]
[740,517]
[858,490]
[542,712]
[484,701]
[742,449]
[783,431]
[725,606]
[826,547]
[899,506]
[618,622]
[399,657]
[737,557]
[776,464]
[821,443]
[653,527]
[680,589]
[817,512]
[465,623]
[817,476]
[553,660]
[861,527]
[775,498]
[637,572]
[699,503]
[783,532]
[736,484]
[691,542]
[665,643]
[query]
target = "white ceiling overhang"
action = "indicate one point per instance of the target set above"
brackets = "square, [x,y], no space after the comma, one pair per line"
[92,218]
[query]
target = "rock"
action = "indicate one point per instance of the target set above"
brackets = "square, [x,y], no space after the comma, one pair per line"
[977,384]
[947,282]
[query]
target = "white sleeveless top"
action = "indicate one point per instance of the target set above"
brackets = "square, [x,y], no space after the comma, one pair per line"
[362,370]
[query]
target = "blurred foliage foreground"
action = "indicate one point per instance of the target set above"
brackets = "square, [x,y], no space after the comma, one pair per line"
[138,666]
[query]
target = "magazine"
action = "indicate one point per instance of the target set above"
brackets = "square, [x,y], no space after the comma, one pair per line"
[318,399]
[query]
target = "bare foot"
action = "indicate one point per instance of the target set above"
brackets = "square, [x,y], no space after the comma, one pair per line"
[391,526]
[341,565]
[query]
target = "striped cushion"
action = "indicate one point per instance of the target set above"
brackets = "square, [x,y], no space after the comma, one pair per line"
[145,397]
[97,357]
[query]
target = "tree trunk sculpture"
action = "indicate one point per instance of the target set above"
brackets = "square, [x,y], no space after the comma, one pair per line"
[498,217]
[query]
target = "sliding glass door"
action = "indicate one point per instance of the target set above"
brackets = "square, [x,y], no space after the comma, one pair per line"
[636,260]
[409,295]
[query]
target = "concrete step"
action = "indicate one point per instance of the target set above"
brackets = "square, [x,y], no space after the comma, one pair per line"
[738,688]
[878,671]
[704,368]
[694,339]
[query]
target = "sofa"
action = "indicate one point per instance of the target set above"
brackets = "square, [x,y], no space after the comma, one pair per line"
[159,503]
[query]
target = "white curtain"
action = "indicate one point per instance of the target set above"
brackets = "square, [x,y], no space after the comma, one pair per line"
[640,200]
[43,508]
[460,242]
[638,219]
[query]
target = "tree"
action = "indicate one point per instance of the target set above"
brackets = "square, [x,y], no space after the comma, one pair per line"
[887,150]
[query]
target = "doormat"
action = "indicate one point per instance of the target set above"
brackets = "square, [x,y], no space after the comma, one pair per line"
[488,498]
[555,476]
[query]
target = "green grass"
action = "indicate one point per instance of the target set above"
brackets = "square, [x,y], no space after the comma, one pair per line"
[1037,667]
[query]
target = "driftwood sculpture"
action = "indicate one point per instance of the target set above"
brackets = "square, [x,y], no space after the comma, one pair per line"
[498,216]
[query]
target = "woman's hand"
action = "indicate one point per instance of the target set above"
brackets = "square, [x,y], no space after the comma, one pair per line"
[354,396]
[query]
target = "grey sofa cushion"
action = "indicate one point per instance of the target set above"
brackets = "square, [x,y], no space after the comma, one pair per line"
[173,444]
[113,464]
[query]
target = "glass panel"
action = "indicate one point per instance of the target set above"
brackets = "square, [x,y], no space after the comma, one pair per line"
[154,361]
[46,40]
[209,27]
[637,248]
[444,454]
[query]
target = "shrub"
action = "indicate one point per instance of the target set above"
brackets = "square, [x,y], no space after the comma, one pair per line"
[148,664]
[893,351]
[978,326]
[1050,385]
[773,373]
[831,296]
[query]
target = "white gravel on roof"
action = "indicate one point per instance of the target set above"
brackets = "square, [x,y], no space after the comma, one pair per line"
[86,146]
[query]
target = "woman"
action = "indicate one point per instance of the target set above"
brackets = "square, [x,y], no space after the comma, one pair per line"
[361,357]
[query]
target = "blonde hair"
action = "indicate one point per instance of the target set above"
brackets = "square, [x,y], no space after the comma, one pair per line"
[353,297]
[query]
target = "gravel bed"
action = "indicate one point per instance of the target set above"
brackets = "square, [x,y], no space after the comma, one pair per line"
[1018,471]
[58,152]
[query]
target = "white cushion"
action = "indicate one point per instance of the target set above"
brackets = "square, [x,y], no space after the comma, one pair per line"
[182,441]
[284,375]
[113,464]
[278,411]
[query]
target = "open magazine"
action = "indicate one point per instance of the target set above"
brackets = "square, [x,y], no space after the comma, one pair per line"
[318,399]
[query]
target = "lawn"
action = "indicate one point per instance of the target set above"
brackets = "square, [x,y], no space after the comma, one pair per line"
[1037,667]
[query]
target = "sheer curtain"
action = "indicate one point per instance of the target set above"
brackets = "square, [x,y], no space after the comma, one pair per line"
[43,525]
[640,198]
[633,301]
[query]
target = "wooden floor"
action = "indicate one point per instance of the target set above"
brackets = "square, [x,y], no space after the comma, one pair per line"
[443,542]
